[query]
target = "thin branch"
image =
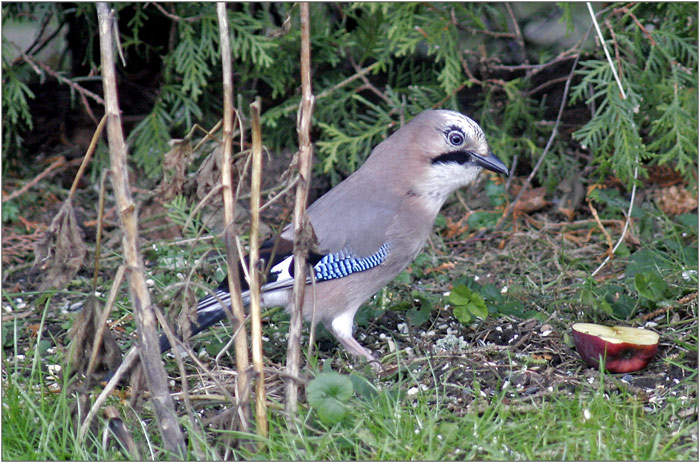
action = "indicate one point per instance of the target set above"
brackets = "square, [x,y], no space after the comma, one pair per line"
[64,80]
[341,84]
[149,351]
[254,273]
[369,84]
[533,69]
[197,443]
[39,46]
[564,56]
[242,360]
[508,35]
[102,325]
[302,227]
[88,155]
[549,83]
[618,60]
[626,10]
[57,163]
[129,359]
[452,93]
[518,34]
[600,226]
[175,17]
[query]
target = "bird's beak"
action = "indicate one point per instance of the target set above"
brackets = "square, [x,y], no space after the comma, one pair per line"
[491,162]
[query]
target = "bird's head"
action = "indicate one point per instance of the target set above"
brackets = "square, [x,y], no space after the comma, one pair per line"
[441,151]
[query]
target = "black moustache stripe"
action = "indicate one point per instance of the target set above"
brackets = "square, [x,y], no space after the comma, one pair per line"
[460,157]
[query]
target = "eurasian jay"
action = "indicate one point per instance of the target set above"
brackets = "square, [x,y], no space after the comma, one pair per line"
[371,225]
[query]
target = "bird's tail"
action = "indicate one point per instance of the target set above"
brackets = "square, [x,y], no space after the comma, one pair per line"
[278,275]
[210,310]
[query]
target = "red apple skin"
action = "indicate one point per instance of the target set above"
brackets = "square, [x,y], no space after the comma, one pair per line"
[620,357]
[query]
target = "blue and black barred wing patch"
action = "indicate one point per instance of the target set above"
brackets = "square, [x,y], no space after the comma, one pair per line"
[343,263]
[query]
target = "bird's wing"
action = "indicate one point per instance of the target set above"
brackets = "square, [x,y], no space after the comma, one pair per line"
[353,217]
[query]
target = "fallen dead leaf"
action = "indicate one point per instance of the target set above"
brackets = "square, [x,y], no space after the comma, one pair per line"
[675,200]
[531,201]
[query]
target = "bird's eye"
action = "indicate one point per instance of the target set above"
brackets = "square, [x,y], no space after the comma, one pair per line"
[455,137]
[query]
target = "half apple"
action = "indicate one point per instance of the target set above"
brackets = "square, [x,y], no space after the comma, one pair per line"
[624,349]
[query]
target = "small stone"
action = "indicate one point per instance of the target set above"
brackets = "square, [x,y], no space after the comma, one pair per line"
[586,414]
[54,369]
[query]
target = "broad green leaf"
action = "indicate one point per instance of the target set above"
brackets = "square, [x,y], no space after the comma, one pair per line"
[460,295]
[329,394]
[421,314]
[477,306]
[462,314]
[650,285]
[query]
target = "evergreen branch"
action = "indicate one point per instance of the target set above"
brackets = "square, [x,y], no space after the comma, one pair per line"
[626,10]
[636,163]
[528,181]
[176,18]
[605,49]
[81,90]
[368,84]
[327,92]
[518,34]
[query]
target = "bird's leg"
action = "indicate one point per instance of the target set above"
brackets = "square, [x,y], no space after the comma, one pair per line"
[351,345]
[341,327]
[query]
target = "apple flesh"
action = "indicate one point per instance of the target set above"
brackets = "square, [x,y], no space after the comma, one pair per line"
[624,349]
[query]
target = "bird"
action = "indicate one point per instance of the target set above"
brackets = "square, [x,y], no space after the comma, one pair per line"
[370,226]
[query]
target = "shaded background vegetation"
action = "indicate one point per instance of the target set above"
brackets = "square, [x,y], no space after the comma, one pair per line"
[466,57]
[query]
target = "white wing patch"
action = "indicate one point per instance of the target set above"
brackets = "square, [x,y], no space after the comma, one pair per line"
[282,270]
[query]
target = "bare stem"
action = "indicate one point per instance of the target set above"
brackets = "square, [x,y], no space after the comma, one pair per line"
[241,341]
[254,273]
[302,234]
[149,351]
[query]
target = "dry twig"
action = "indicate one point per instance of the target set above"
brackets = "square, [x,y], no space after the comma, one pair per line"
[149,351]
[302,226]
[57,163]
[241,341]
[128,361]
[82,91]
[254,273]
